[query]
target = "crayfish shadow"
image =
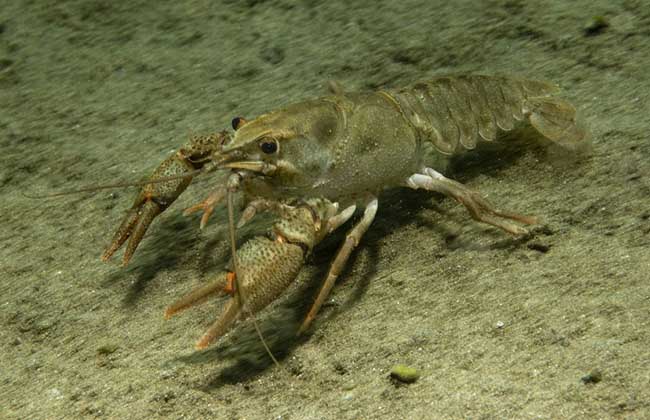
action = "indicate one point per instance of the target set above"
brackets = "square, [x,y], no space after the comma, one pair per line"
[280,322]
[165,247]
[496,156]
[242,347]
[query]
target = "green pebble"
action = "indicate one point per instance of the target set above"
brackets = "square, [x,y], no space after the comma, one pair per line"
[596,25]
[404,374]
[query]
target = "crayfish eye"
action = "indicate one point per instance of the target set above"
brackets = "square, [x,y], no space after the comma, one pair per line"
[269,146]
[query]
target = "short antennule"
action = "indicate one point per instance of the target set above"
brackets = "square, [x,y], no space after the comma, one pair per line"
[238,122]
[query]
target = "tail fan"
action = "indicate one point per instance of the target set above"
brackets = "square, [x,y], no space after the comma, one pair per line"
[556,120]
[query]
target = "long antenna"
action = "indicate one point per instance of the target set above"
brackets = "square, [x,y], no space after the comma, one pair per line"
[235,266]
[93,188]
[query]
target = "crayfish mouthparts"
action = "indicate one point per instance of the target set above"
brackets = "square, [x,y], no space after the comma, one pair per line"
[264,168]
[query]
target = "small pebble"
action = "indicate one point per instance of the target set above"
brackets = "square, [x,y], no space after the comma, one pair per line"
[405,374]
[596,26]
[592,377]
[107,349]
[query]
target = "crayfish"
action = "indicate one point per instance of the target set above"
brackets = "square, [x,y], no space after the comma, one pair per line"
[316,162]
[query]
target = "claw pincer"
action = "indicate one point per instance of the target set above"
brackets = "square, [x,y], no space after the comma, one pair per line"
[156,197]
[267,266]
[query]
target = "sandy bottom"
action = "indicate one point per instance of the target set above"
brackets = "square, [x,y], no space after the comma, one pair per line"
[499,327]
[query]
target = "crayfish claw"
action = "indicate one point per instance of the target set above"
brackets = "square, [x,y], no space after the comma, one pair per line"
[133,228]
[267,266]
[222,325]
[199,295]
[152,200]
[121,235]
[148,212]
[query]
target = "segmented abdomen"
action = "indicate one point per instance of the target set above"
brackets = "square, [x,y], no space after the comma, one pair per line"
[455,112]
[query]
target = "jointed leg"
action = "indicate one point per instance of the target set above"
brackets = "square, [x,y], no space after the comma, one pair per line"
[479,208]
[214,198]
[261,205]
[351,241]
[221,286]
